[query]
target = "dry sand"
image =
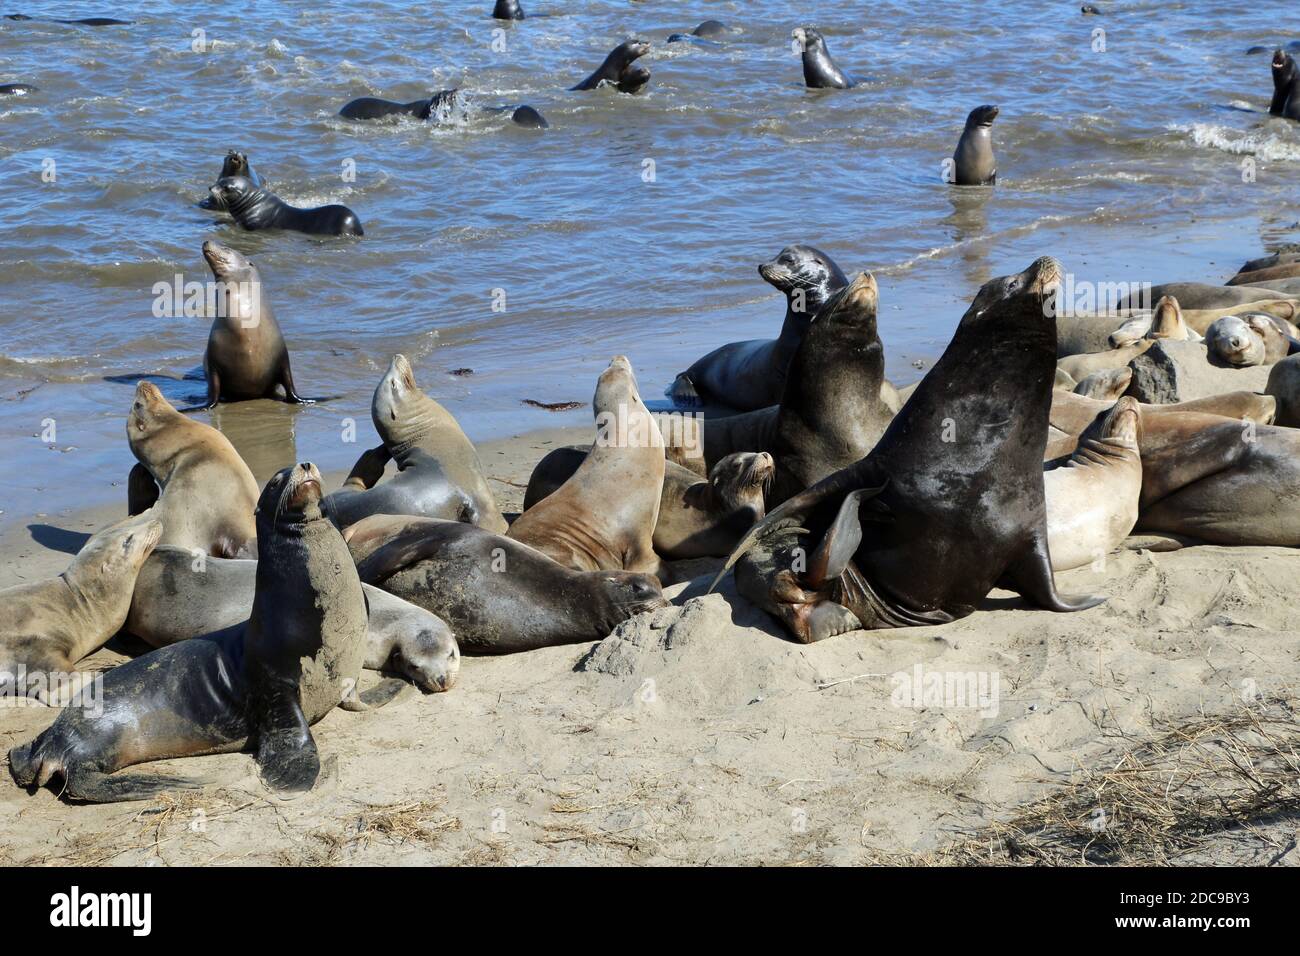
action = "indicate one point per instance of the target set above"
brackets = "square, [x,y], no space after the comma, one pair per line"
[700,735]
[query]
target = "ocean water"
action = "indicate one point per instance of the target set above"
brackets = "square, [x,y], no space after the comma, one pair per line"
[1138,154]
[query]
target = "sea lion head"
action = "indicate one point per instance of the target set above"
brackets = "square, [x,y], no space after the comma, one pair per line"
[396,397]
[1105,386]
[809,38]
[1033,290]
[629,50]
[430,657]
[235,193]
[121,548]
[150,411]
[227,264]
[632,78]
[1167,320]
[982,116]
[741,480]
[1283,67]
[1131,332]
[235,164]
[853,306]
[1123,423]
[447,106]
[292,497]
[629,593]
[800,267]
[1234,341]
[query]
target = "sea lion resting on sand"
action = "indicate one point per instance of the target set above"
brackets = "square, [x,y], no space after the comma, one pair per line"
[260,684]
[47,626]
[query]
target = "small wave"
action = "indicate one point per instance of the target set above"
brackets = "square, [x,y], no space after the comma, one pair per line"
[1263,145]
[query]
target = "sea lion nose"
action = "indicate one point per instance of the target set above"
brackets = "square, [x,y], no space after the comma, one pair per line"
[1236,342]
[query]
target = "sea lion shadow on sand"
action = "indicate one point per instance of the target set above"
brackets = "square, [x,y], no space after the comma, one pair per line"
[58,539]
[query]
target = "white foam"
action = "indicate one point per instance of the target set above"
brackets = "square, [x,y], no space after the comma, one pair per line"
[1260,144]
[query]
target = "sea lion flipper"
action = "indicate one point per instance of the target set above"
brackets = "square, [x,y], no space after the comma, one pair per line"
[388,691]
[683,392]
[286,751]
[1031,577]
[832,556]
[95,787]
[286,381]
[141,490]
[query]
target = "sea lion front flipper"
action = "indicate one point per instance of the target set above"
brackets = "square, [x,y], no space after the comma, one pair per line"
[286,752]
[839,544]
[365,474]
[1031,577]
[141,491]
[388,691]
[683,392]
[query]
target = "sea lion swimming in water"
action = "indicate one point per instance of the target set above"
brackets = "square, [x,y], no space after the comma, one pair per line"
[936,515]
[17,89]
[507,10]
[819,70]
[529,118]
[246,356]
[712,30]
[973,162]
[446,106]
[1283,72]
[83,22]
[750,375]
[260,684]
[235,164]
[619,69]
[254,208]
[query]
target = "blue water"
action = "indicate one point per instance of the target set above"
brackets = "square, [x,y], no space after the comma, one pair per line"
[1124,163]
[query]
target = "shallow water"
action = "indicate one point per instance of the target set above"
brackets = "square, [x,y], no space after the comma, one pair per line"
[1124,163]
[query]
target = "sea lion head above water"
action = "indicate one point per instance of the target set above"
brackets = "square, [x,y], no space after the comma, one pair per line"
[800,271]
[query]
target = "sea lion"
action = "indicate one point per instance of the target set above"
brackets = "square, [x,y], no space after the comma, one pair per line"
[192,478]
[951,496]
[1285,270]
[1252,338]
[179,599]
[973,162]
[235,164]
[751,374]
[1288,255]
[1290,96]
[618,69]
[1076,416]
[83,22]
[603,518]
[438,471]
[246,356]
[708,30]
[498,595]
[47,626]
[508,10]
[1283,68]
[446,106]
[1080,367]
[1105,386]
[819,70]
[1199,296]
[17,89]
[1092,498]
[831,412]
[260,684]
[1165,322]
[255,208]
[698,518]
[1226,483]
[529,118]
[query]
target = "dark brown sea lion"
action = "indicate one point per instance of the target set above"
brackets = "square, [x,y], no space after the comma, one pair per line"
[260,684]
[619,69]
[973,161]
[819,71]
[948,504]
[253,208]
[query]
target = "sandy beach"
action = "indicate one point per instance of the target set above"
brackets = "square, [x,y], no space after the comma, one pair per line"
[700,734]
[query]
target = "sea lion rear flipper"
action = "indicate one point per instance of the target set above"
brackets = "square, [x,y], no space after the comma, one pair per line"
[388,691]
[684,393]
[141,491]
[95,787]
[286,752]
[1031,577]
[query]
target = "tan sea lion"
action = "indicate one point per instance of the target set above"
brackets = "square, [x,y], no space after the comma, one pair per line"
[47,626]
[1080,367]
[192,478]
[1092,499]
[603,518]
[1105,386]
[1251,338]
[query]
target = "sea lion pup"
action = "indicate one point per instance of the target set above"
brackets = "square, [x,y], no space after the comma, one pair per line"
[438,471]
[179,599]
[508,10]
[1105,386]
[618,69]
[498,595]
[17,89]
[603,518]
[830,414]
[750,375]
[529,118]
[949,503]
[246,356]
[1225,484]
[1075,416]
[1081,366]
[973,162]
[1092,499]
[1252,338]
[47,626]
[1166,321]
[253,208]
[259,685]
[1283,68]
[235,164]
[192,478]
[819,70]
[713,30]
[698,518]
[446,106]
